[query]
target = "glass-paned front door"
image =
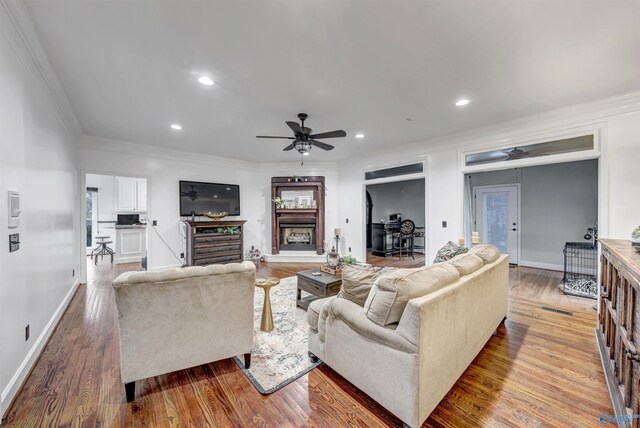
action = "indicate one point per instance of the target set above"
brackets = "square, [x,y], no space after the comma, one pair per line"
[497,218]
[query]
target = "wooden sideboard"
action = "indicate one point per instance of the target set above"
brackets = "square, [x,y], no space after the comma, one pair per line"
[618,331]
[207,243]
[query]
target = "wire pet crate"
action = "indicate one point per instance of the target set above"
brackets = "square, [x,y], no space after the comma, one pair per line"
[580,269]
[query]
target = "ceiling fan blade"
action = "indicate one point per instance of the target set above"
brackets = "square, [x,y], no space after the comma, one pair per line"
[280,138]
[295,127]
[332,134]
[290,147]
[321,145]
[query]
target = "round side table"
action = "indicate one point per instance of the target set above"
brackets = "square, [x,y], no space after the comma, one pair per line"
[267,317]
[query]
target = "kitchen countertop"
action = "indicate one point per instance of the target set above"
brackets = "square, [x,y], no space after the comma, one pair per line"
[131,226]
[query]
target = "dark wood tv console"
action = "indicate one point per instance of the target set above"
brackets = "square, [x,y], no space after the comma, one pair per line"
[209,242]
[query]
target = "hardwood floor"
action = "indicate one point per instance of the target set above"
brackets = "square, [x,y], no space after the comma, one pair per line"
[540,369]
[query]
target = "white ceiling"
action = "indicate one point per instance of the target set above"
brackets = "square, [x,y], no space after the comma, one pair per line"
[363,66]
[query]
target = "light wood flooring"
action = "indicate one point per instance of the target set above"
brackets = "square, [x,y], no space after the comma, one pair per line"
[541,369]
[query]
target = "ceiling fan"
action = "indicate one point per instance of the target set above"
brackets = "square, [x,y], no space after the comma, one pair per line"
[192,194]
[303,139]
[516,153]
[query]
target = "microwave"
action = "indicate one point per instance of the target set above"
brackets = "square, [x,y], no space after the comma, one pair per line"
[395,218]
[128,219]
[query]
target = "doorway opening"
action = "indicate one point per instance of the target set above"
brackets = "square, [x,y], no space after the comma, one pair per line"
[531,213]
[116,220]
[388,204]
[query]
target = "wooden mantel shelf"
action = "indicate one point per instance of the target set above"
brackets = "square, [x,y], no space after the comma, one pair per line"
[295,210]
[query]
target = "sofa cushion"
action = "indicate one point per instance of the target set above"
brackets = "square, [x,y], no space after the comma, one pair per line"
[466,263]
[487,252]
[357,281]
[449,251]
[391,292]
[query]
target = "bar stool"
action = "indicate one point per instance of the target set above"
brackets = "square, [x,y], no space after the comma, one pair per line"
[104,249]
[99,240]
[404,239]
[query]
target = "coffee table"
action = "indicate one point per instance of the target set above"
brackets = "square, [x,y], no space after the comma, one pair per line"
[323,285]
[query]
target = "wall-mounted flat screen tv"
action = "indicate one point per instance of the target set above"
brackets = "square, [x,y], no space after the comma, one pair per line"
[197,198]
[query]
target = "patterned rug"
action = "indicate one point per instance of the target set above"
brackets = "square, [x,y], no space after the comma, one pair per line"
[280,356]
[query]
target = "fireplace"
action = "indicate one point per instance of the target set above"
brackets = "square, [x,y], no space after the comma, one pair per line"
[297,237]
[298,216]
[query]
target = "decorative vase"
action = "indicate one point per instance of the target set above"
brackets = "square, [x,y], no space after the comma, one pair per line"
[333,258]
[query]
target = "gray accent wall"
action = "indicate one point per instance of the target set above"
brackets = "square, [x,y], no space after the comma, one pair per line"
[406,197]
[558,203]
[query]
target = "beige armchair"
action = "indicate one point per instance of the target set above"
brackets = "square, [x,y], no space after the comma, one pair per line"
[179,318]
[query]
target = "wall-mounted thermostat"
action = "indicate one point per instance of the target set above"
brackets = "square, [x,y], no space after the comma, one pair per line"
[14,209]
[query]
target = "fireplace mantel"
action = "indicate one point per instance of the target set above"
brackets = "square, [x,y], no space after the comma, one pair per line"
[313,216]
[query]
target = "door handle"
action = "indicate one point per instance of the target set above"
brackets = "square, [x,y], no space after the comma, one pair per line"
[514,229]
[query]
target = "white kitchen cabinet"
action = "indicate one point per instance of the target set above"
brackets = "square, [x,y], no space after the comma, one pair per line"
[141,194]
[131,244]
[131,194]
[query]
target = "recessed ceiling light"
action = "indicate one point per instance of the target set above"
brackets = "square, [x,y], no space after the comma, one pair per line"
[215,196]
[205,80]
[176,126]
[360,135]
[462,102]
[305,153]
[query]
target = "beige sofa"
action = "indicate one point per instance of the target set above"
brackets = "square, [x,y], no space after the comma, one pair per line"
[408,366]
[178,318]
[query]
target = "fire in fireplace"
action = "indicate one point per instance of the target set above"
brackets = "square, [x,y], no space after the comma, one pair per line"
[297,237]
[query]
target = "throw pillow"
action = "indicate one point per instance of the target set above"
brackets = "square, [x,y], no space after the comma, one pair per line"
[449,251]
[466,263]
[357,281]
[391,292]
[487,252]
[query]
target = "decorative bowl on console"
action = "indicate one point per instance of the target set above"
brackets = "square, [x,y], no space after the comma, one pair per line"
[217,216]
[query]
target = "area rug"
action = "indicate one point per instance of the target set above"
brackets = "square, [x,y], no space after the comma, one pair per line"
[580,287]
[280,356]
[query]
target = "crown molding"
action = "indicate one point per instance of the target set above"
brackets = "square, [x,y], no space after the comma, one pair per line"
[513,132]
[17,28]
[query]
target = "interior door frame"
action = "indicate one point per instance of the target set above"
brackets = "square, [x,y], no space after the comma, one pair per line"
[82,218]
[518,215]
[94,222]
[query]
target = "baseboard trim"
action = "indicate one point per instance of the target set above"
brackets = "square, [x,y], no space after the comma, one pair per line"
[156,268]
[547,266]
[21,375]
[289,258]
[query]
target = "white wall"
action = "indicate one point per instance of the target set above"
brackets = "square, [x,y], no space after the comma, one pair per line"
[558,203]
[165,168]
[37,159]
[616,120]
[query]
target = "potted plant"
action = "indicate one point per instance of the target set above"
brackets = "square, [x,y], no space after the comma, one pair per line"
[349,260]
[278,201]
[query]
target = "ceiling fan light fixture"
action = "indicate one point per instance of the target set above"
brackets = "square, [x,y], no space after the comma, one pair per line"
[305,154]
[205,80]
